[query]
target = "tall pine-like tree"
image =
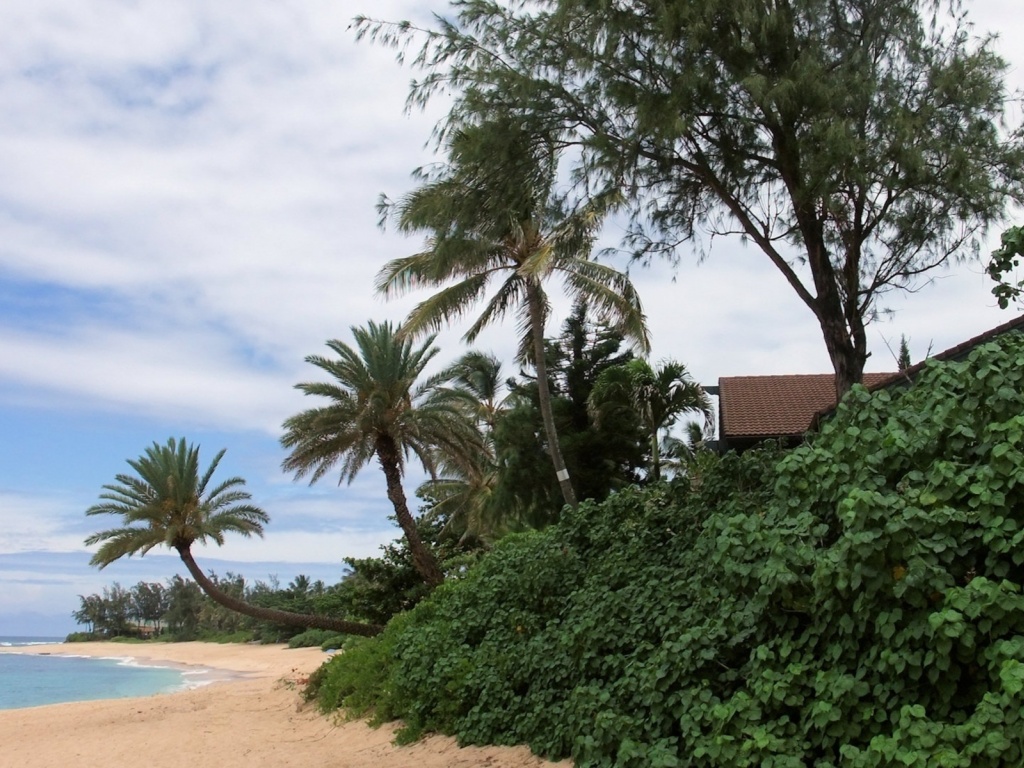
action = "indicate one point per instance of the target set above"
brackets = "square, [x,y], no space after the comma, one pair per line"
[859,145]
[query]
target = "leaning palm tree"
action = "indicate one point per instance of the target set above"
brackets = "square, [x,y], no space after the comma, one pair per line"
[377,408]
[492,212]
[660,396]
[167,502]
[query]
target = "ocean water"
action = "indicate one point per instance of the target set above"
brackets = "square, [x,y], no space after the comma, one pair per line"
[28,680]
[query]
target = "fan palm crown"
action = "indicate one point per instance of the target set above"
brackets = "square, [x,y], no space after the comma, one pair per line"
[378,406]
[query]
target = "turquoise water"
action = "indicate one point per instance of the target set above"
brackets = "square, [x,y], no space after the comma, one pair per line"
[28,680]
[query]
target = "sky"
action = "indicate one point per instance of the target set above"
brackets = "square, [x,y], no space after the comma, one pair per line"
[187,210]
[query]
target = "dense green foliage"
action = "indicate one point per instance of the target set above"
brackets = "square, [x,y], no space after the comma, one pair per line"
[377,588]
[180,610]
[601,456]
[856,603]
[317,638]
[511,487]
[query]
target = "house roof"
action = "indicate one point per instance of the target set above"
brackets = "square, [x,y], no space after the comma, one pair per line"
[777,406]
[757,407]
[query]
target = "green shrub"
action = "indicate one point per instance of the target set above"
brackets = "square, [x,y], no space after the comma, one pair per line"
[233,636]
[356,678]
[81,637]
[317,638]
[856,603]
[333,642]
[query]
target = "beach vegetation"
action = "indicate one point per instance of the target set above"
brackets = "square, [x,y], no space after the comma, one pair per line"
[377,588]
[224,637]
[855,601]
[168,502]
[186,613]
[317,638]
[183,616]
[80,637]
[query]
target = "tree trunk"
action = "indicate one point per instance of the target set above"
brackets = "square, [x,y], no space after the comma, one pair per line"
[422,558]
[536,307]
[847,360]
[841,320]
[272,614]
[655,457]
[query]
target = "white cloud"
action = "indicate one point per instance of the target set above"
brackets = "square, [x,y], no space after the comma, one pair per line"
[38,522]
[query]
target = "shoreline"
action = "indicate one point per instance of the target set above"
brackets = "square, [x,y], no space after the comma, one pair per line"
[186,661]
[254,716]
[236,658]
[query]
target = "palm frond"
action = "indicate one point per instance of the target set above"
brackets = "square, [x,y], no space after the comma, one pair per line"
[446,306]
[166,503]
[612,296]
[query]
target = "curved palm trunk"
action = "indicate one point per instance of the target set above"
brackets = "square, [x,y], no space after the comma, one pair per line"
[272,614]
[536,307]
[422,558]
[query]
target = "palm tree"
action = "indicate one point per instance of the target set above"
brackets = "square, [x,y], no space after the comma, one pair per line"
[493,212]
[463,491]
[476,381]
[167,502]
[660,395]
[682,455]
[464,494]
[376,408]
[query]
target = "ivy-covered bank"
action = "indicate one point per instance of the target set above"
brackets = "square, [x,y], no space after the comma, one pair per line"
[855,602]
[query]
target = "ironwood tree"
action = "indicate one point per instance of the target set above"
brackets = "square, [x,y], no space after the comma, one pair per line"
[859,144]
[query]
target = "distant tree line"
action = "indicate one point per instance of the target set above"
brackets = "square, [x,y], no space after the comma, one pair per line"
[179,610]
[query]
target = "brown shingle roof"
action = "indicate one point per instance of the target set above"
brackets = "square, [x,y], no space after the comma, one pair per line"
[753,407]
[777,406]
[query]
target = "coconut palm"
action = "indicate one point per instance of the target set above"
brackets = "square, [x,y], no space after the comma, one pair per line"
[660,395]
[168,503]
[377,408]
[493,213]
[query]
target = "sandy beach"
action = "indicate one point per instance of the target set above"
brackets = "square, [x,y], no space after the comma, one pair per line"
[256,720]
